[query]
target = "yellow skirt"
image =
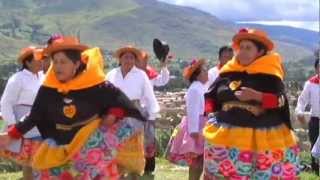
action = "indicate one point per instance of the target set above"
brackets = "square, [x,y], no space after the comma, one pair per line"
[253,139]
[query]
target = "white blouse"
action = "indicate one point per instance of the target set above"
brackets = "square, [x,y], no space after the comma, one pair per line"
[310,95]
[195,105]
[137,86]
[21,90]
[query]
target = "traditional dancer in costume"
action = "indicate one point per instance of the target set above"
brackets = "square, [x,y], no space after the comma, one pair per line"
[68,110]
[249,135]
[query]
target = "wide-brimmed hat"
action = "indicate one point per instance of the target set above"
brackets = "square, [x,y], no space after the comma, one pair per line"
[65,43]
[128,48]
[38,54]
[25,52]
[252,34]
[192,67]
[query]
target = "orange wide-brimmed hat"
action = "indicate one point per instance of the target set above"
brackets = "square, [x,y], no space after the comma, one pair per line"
[65,43]
[129,48]
[26,52]
[37,52]
[194,65]
[252,34]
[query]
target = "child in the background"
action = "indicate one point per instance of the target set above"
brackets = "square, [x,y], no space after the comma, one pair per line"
[310,95]
[187,143]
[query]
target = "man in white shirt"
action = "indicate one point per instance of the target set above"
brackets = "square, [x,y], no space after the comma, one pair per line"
[225,54]
[135,83]
[21,89]
[19,95]
[310,95]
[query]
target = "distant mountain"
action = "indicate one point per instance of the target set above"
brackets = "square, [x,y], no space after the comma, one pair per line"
[112,23]
[310,39]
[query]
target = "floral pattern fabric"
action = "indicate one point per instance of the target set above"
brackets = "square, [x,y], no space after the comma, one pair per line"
[222,162]
[96,159]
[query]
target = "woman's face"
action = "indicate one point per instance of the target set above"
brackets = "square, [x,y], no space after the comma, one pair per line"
[248,52]
[127,60]
[63,67]
[203,76]
[34,65]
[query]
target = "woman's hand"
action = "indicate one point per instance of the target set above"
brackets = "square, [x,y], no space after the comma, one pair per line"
[109,120]
[5,140]
[164,63]
[248,94]
[167,60]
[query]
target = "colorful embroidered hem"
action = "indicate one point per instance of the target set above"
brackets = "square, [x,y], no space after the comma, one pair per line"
[232,163]
[99,157]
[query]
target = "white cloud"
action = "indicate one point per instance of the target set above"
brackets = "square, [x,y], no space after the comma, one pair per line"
[310,25]
[249,10]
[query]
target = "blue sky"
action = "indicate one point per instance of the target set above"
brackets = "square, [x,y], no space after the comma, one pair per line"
[298,13]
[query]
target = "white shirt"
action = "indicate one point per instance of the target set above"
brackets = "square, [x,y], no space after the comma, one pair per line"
[162,78]
[21,89]
[213,74]
[310,95]
[195,105]
[137,86]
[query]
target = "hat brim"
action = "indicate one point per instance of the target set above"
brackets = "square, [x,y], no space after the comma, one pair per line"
[22,57]
[188,71]
[50,50]
[133,50]
[239,37]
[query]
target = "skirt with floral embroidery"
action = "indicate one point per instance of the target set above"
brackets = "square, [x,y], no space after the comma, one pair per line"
[249,153]
[105,150]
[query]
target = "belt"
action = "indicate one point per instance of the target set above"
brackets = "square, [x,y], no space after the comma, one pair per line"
[254,109]
[65,127]
[28,105]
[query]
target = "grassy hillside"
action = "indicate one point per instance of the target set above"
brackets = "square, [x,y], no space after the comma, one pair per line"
[111,23]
